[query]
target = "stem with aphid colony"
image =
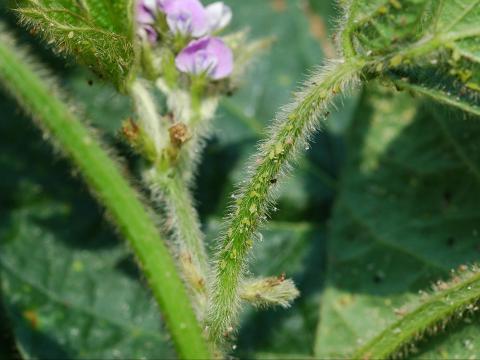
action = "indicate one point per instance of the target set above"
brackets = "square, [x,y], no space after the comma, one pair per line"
[287,137]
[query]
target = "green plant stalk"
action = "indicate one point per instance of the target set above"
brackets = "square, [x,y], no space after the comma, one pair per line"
[192,153]
[114,192]
[429,317]
[288,136]
[187,233]
[165,179]
[346,37]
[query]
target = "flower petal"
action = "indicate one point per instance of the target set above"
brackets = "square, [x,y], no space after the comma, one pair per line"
[210,56]
[146,10]
[219,16]
[187,17]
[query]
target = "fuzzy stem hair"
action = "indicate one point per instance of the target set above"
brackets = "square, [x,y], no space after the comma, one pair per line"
[167,181]
[184,224]
[112,190]
[287,137]
[453,300]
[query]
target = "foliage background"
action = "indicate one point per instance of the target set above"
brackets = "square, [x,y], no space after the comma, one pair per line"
[403,183]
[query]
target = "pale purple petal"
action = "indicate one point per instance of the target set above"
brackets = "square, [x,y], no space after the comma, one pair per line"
[186,17]
[219,16]
[210,56]
[147,32]
[146,10]
[162,3]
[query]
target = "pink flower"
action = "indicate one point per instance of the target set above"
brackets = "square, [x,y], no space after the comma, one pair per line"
[185,17]
[210,56]
[190,17]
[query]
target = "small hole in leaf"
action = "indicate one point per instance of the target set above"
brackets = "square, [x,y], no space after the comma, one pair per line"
[450,241]
[447,197]
[378,277]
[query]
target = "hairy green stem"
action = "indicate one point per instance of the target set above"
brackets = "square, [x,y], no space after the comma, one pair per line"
[288,136]
[152,123]
[431,316]
[113,191]
[165,178]
[346,34]
[185,225]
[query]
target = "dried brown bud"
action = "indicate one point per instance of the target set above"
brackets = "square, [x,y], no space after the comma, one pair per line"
[130,130]
[179,134]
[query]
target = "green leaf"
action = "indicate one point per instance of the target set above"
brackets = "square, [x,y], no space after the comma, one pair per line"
[97,32]
[432,46]
[407,214]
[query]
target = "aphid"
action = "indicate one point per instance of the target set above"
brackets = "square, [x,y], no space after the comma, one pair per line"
[396,60]
[396,4]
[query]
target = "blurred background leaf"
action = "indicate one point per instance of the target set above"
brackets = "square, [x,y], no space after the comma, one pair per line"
[406,215]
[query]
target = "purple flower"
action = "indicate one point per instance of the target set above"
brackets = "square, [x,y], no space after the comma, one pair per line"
[185,17]
[219,16]
[210,56]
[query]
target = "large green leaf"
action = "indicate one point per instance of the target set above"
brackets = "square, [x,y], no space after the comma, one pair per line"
[406,215]
[432,46]
[97,32]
